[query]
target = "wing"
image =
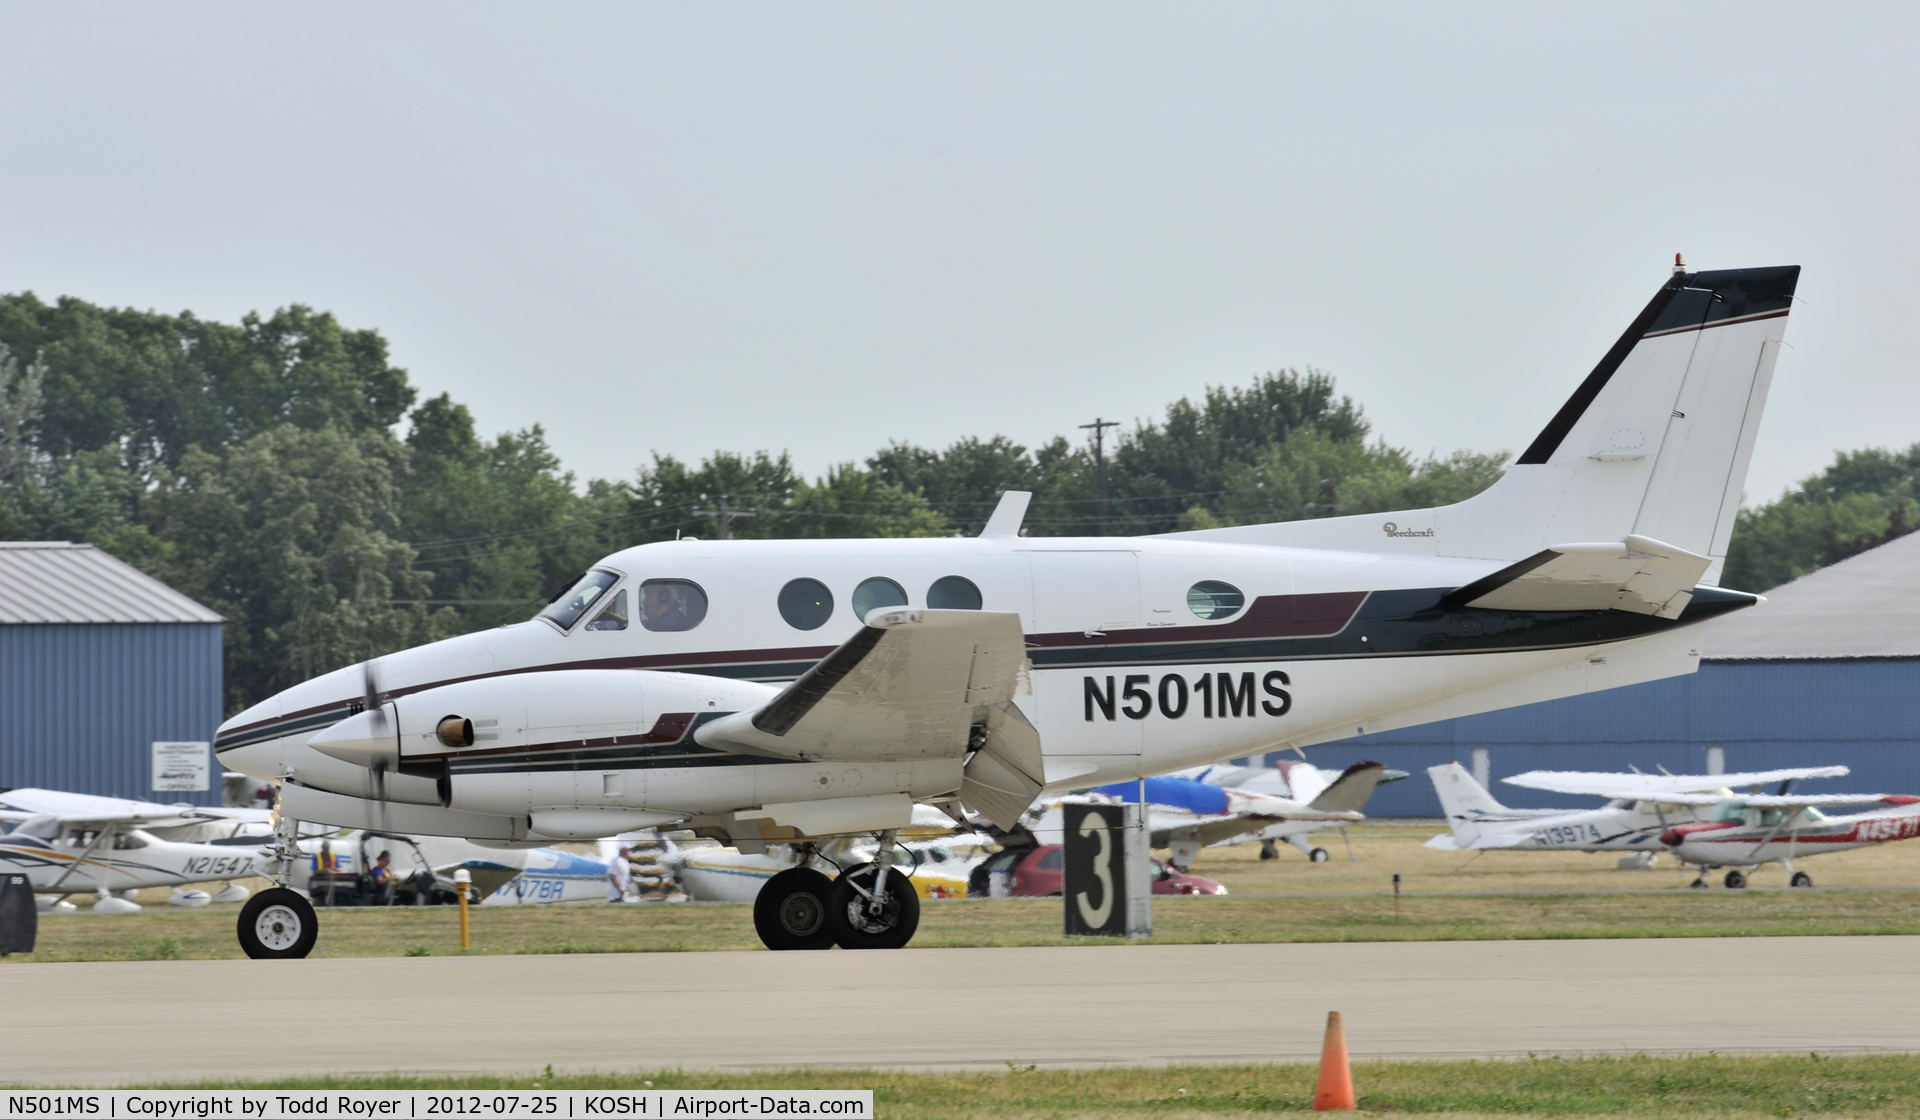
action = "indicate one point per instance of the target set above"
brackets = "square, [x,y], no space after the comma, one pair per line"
[1639,575]
[1650,787]
[910,684]
[87,808]
[1771,801]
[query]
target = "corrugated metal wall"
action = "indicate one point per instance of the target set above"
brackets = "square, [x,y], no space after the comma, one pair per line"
[81,706]
[1862,714]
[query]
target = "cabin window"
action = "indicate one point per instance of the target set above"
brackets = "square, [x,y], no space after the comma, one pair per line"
[672,604]
[806,604]
[1212,599]
[953,593]
[615,616]
[1052,860]
[127,841]
[567,609]
[872,594]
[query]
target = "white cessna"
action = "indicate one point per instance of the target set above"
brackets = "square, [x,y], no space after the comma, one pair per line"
[990,670]
[79,843]
[1640,808]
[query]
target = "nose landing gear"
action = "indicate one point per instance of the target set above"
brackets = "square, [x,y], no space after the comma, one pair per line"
[278,923]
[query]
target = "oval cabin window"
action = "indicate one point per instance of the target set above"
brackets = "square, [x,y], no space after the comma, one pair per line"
[875,593]
[1212,599]
[672,604]
[806,604]
[953,593]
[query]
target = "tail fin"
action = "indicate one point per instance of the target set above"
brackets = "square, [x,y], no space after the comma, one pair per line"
[1464,801]
[1654,442]
[1349,792]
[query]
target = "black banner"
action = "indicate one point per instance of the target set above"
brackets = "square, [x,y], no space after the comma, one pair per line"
[1095,870]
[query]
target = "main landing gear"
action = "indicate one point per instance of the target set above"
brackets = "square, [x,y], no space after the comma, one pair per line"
[870,906]
[1736,880]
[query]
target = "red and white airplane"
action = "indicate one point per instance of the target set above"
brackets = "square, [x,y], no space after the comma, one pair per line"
[790,691]
[1747,831]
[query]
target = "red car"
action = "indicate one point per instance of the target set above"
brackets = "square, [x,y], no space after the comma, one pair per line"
[1036,873]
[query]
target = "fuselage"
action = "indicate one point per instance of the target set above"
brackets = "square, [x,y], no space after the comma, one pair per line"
[1623,826]
[1148,655]
[125,859]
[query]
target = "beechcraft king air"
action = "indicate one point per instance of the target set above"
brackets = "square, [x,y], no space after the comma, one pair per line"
[786,691]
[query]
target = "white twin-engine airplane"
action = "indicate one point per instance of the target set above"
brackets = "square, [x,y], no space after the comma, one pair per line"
[991,670]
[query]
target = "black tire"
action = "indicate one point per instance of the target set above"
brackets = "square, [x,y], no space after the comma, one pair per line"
[1698,884]
[854,927]
[1318,855]
[790,912]
[1802,879]
[1735,881]
[1268,850]
[278,925]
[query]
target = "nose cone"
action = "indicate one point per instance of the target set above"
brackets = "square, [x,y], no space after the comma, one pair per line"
[1672,837]
[370,739]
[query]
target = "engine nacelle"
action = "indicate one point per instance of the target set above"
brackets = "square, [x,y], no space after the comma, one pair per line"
[527,713]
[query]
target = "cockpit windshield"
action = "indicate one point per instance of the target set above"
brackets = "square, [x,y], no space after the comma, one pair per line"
[1734,811]
[567,609]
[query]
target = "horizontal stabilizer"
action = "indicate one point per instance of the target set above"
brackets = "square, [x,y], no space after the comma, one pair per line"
[1651,787]
[1639,575]
[1350,791]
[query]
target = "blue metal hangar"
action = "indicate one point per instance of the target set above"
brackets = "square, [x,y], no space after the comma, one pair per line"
[100,662]
[1826,671]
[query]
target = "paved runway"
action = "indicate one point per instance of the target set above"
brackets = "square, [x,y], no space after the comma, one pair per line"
[116,1022]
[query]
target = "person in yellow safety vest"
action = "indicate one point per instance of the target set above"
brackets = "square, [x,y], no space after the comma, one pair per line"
[325,862]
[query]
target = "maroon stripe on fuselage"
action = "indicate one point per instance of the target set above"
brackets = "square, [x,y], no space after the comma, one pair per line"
[1317,615]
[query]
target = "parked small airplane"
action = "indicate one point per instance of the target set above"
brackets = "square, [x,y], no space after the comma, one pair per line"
[1290,778]
[1185,815]
[76,843]
[1748,831]
[1640,808]
[980,674]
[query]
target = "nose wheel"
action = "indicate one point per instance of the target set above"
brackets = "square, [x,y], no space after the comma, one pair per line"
[278,924]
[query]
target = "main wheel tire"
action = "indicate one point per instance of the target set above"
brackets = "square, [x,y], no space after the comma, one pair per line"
[855,927]
[1802,879]
[1269,850]
[1318,855]
[790,912]
[1698,885]
[1735,881]
[278,925]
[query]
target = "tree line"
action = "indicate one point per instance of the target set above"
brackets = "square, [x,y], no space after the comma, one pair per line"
[284,472]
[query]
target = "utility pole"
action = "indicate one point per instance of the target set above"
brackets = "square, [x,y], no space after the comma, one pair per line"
[1100,427]
[723,517]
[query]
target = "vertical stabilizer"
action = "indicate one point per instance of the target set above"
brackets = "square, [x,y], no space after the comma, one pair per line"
[1465,802]
[1654,442]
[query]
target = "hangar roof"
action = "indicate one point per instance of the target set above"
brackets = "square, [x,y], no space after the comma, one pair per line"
[53,582]
[1864,606]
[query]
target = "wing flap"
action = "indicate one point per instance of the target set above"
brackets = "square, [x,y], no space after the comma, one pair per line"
[910,684]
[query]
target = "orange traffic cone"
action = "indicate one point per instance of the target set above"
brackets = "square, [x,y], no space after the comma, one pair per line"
[1335,1089]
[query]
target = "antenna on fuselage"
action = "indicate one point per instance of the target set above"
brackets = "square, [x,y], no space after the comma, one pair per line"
[1008,515]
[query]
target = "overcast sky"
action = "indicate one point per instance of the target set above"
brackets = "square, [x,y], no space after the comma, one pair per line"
[820,227]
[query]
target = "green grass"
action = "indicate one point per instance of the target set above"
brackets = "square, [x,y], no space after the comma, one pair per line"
[1746,1086]
[205,934]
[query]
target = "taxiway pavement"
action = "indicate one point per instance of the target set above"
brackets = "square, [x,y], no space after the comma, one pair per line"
[170,1021]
